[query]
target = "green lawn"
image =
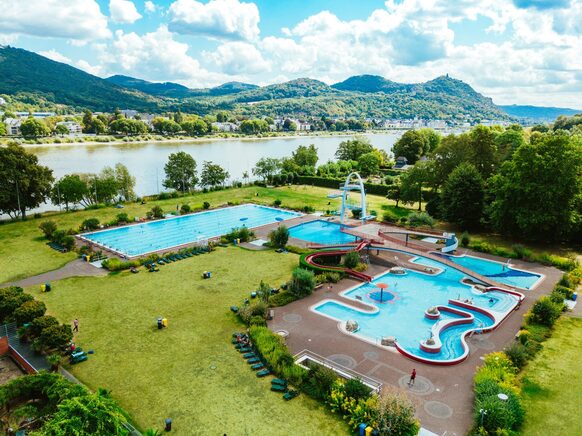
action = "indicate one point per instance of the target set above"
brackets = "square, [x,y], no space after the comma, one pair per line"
[552,383]
[24,252]
[190,371]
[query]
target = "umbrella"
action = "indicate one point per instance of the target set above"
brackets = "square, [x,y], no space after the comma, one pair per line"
[382,286]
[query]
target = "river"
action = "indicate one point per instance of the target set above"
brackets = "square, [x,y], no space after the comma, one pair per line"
[146,160]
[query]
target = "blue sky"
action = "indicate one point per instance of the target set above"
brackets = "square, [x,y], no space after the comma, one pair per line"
[520,51]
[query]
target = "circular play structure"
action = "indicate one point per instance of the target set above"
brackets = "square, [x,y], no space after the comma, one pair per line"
[353,183]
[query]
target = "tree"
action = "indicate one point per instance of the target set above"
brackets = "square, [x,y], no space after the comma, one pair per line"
[195,128]
[28,311]
[125,182]
[266,167]
[395,414]
[11,298]
[413,181]
[412,145]
[305,156]
[507,142]
[70,189]
[126,126]
[302,282]
[48,228]
[536,194]
[24,183]
[252,127]
[103,187]
[212,175]
[453,150]
[483,150]
[99,127]
[394,191]
[369,164]
[33,128]
[280,236]
[180,172]
[165,126]
[353,149]
[433,139]
[88,122]
[2,128]
[289,126]
[463,196]
[222,117]
[178,117]
[61,129]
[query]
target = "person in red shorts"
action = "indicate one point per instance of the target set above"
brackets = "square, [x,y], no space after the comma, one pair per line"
[412,378]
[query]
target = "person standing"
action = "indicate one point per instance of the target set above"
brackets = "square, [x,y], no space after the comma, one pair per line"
[76,325]
[412,377]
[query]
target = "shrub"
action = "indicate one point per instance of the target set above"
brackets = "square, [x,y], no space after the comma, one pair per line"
[395,414]
[465,239]
[184,209]
[277,203]
[280,236]
[115,264]
[28,311]
[157,212]
[389,217]
[258,308]
[357,213]
[417,219]
[545,311]
[308,209]
[566,291]
[241,233]
[518,354]
[55,337]
[122,218]
[523,336]
[48,228]
[403,220]
[521,252]
[68,242]
[90,224]
[11,298]
[354,388]
[351,259]
[328,277]
[281,299]
[302,282]
[319,382]
[206,205]
[258,321]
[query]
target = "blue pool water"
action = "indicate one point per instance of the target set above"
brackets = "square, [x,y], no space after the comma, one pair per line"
[321,232]
[497,271]
[143,238]
[403,316]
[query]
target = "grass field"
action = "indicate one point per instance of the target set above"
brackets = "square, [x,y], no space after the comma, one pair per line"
[24,252]
[552,383]
[190,371]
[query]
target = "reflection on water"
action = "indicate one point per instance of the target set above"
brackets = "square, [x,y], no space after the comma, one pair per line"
[146,161]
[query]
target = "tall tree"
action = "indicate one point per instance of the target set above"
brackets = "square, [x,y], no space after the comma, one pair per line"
[483,149]
[354,148]
[414,181]
[24,184]
[180,172]
[69,190]
[536,194]
[463,196]
[195,127]
[88,121]
[369,164]
[212,174]
[453,151]
[266,167]
[412,145]
[125,182]
[305,156]
[33,128]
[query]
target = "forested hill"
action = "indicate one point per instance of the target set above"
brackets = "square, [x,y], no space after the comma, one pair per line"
[31,75]
[539,112]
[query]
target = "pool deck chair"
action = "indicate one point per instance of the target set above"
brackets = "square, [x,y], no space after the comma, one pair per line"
[263,373]
[290,395]
[278,388]
[257,366]
[253,360]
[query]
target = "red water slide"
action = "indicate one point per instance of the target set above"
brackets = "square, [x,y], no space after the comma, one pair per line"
[310,259]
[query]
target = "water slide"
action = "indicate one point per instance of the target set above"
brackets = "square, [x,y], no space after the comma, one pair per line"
[451,241]
[310,260]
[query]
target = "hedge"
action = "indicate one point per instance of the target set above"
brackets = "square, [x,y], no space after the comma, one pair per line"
[370,188]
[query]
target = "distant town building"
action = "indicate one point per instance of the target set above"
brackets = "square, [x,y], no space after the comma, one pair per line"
[225,127]
[37,115]
[401,163]
[2,101]
[13,126]
[73,126]
[128,113]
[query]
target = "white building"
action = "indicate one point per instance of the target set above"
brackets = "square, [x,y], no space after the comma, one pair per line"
[129,113]
[36,115]
[2,101]
[13,126]
[74,127]
[225,127]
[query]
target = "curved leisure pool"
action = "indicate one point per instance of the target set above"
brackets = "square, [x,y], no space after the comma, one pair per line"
[403,315]
[143,238]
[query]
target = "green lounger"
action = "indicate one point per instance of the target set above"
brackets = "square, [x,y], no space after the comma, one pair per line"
[279,381]
[263,373]
[290,395]
[253,360]
[245,349]
[278,388]
[237,345]
[257,366]
[249,355]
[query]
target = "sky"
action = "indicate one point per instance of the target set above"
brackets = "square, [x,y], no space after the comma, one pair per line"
[514,51]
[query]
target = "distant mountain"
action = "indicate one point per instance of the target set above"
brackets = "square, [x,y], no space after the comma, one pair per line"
[298,88]
[175,90]
[540,113]
[369,83]
[29,74]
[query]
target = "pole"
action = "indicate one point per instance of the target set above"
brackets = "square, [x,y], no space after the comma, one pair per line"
[18,197]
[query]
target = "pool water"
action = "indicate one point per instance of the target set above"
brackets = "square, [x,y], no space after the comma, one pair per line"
[321,232]
[138,239]
[499,272]
[403,315]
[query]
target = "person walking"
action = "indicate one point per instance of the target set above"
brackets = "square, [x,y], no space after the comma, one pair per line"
[412,377]
[76,325]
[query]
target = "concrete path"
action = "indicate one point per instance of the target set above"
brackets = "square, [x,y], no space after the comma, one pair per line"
[75,268]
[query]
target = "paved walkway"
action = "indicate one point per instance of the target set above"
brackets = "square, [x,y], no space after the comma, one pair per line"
[75,268]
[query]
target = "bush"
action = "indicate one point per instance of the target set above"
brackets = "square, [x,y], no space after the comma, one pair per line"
[277,203]
[241,233]
[308,209]
[11,298]
[521,252]
[184,209]
[256,309]
[122,218]
[37,325]
[417,219]
[545,311]
[258,321]
[351,259]
[281,299]
[206,205]
[354,388]
[319,382]
[396,414]
[157,212]
[48,228]
[302,283]
[518,354]
[328,277]
[115,264]
[433,207]
[465,239]
[90,224]
[55,337]
[566,292]
[28,311]
[389,217]
[280,236]
[68,242]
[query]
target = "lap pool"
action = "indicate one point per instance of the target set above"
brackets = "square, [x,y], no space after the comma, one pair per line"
[143,238]
[401,313]
[321,232]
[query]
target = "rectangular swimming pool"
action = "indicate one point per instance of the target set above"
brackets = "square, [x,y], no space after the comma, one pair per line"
[143,238]
[321,232]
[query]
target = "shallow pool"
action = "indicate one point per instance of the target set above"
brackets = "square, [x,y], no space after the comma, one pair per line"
[411,294]
[321,232]
[138,239]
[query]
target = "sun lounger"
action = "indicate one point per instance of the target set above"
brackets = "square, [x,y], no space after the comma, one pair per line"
[238,345]
[234,309]
[278,388]
[263,373]
[249,355]
[290,395]
[253,360]
[257,366]
[245,349]
[279,381]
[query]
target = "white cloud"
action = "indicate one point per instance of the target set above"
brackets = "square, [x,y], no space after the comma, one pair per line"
[55,56]
[123,11]
[149,6]
[238,57]
[79,19]
[96,70]
[221,19]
